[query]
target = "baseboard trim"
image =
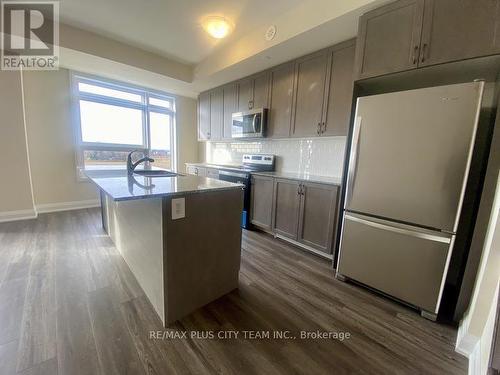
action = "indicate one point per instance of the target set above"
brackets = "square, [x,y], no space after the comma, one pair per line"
[466,343]
[17,215]
[66,206]
[475,361]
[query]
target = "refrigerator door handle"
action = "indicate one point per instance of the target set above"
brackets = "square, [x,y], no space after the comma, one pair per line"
[353,160]
[399,229]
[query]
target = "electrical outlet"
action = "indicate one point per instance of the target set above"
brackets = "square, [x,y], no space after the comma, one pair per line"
[178,208]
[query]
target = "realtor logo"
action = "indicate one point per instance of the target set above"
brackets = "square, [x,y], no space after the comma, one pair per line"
[30,35]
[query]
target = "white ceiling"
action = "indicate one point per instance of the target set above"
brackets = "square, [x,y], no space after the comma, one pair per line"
[170,28]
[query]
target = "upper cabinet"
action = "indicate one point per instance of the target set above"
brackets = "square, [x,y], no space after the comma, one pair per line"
[215,108]
[307,97]
[311,72]
[340,91]
[281,101]
[459,29]
[204,116]
[323,94]
[253,92]
[245,94]
[408,34]
[389,38]
[230,106]
[216,114]
[261,91]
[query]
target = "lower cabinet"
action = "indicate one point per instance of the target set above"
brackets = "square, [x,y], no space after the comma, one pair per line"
[306,212]
[318,216]
[286,207]
[261,212]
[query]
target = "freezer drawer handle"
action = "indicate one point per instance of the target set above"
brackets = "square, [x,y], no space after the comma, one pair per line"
[407,232]
[353,161]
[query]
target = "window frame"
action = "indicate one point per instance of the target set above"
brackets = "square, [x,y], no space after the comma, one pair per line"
[144,106]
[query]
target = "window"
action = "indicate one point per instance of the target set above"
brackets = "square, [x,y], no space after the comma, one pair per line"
[113,119]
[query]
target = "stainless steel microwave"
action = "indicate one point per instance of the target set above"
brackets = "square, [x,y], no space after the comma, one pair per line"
[249,124]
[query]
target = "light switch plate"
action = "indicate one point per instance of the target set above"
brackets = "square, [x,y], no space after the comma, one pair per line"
[178,208]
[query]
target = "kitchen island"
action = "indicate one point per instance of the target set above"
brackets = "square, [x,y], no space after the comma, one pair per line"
[180,236]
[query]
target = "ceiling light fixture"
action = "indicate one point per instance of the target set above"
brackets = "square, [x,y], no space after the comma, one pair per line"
[217,26]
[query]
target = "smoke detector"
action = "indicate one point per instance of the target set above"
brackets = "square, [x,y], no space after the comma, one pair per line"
[270,33]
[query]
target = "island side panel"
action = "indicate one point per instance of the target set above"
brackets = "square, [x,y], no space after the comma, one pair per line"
[202,250]
[135,227]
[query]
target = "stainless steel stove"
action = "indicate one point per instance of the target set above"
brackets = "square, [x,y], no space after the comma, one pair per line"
[242,174]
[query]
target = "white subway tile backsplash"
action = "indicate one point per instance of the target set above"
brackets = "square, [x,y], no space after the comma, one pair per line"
[315,156]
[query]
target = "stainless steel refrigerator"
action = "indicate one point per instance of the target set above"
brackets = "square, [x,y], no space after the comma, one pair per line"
[410,158]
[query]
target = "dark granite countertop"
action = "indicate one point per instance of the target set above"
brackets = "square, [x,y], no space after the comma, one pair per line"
[120,186]
[234,167]
[286,175]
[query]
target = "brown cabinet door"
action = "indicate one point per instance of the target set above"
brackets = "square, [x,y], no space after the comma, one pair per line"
[338,109]
[204,116]
[389,39]
[230,106]
[287,204]
[262,201]
[216,114]
[318,216]
[459,29]
[245,94]
[309,94]
[280,107]
[261,91]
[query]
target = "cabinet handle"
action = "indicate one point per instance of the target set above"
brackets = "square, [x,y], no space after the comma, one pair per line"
[250,104]
[300,189]
[415,55]
[319,128]
[424,48]
[324,127]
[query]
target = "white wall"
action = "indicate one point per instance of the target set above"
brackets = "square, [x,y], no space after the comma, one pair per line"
[15,189]
[51,141]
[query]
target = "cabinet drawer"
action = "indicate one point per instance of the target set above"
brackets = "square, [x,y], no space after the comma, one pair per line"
[408,264]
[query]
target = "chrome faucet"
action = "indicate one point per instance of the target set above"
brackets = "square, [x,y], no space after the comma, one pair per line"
[131,166]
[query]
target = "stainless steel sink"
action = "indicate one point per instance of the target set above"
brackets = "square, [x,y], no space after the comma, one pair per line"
[155,173]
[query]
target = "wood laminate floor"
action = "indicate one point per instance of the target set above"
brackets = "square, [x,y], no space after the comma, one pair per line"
[70,305]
